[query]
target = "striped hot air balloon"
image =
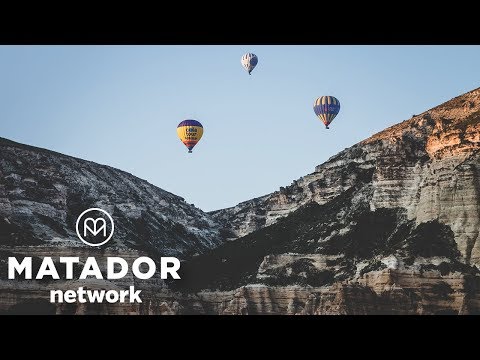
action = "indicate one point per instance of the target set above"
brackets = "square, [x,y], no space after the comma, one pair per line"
[326,108]
[190,132]
[249,61]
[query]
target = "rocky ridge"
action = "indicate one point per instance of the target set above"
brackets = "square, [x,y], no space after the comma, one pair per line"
[387,226]
[42,193]
[427,165]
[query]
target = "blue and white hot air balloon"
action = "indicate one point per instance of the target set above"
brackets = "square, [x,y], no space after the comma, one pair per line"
[249,61]
[326,108]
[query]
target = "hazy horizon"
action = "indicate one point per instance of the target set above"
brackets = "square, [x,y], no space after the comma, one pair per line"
[120,105]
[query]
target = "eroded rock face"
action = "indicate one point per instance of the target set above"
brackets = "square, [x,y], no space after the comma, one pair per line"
[428,165]
[42,193]
[386,291]
[388,226]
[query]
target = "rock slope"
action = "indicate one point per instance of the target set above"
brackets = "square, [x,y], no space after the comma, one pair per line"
[390,225]
[428,166]
[387,226]
[43,192]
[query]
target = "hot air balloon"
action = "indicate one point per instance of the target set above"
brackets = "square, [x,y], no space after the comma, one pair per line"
[190,132]
[249,61]
[326,108]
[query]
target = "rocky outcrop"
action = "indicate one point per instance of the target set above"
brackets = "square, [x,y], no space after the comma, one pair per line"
[380,292]
[388,226]
[43,192]
[41,195]
[427,165]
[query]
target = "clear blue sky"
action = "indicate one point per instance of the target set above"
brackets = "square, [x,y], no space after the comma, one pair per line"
[120,105]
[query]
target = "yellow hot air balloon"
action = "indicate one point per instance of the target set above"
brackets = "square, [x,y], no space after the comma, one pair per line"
[190,132]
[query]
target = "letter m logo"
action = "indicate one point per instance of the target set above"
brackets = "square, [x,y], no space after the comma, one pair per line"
[96,229]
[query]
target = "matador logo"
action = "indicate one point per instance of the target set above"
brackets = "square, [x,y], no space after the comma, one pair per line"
[95,227]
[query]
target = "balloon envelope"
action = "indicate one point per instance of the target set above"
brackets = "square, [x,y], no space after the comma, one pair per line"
[190,132]
[326,108]
[249,61]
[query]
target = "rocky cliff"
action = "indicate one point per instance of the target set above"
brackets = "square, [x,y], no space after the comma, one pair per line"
[388,226]
[42,193]
[427,166]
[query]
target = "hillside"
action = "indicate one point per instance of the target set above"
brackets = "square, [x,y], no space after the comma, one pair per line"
[43,192]
[388,226]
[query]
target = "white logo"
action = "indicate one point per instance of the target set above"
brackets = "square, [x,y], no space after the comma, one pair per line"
[95,231]
[93,226]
